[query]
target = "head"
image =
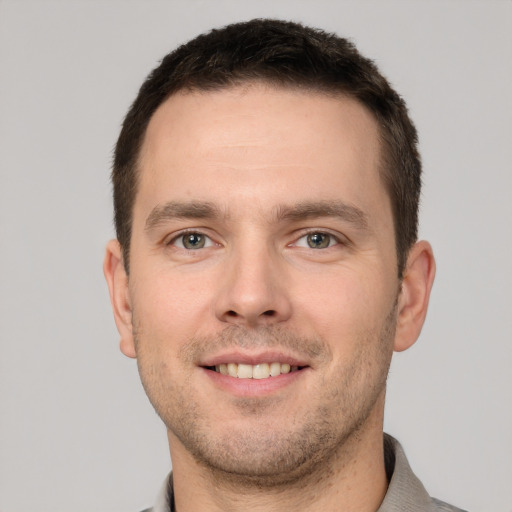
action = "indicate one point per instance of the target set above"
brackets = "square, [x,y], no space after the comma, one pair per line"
[266,183]
[288,55]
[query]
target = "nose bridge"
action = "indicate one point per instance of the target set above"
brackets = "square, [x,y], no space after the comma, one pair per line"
[253,288]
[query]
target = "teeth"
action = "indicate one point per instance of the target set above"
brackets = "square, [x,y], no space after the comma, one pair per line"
[275,369]
[244,371]
[233,369]
[257,371]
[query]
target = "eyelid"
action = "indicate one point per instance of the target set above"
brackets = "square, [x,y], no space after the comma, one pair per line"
[170,240]
[338,237]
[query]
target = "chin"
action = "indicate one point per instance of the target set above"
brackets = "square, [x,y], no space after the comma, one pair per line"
[266,455]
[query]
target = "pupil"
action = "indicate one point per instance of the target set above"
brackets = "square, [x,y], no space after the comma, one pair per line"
[318,240]
[193,241]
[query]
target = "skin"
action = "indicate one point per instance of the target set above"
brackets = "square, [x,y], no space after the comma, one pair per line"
[258,174]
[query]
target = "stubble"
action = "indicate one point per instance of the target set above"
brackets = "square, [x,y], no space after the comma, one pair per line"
[266,452]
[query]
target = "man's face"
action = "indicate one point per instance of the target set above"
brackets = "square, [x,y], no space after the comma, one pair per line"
[262,242]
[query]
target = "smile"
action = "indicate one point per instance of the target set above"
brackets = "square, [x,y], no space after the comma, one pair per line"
[257,371]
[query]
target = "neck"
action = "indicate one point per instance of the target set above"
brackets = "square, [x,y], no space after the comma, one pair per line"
[354,479]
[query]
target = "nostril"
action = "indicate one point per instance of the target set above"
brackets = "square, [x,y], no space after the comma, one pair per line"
[269,312]
[266,316]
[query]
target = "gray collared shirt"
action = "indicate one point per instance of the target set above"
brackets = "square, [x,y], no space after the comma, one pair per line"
[405,492]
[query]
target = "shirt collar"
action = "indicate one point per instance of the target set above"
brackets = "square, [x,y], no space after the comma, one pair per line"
[162,503]
[405,491]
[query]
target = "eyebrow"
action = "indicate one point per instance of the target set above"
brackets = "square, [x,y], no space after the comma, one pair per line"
[180,210]
[297,212]
[318,209]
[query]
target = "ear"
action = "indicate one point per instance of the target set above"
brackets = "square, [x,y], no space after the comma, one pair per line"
[414,295]
[117,280]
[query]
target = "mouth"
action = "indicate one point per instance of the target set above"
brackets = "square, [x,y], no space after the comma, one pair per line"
[256,371]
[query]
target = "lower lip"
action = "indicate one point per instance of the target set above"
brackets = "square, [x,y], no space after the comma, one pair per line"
[254,387]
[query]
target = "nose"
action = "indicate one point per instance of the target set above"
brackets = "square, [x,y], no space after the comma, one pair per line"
[253,289]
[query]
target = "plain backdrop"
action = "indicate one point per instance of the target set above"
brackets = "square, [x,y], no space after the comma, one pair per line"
[76,430]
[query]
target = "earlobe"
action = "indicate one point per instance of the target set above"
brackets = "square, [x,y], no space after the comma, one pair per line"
[117,280]
[414,296]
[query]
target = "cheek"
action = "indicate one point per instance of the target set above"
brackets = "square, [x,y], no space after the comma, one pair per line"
[169,309]
[344,308]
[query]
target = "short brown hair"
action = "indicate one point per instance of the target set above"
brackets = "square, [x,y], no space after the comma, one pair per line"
[283,54]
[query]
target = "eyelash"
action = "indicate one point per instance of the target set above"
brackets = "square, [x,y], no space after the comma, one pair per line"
[209,242]
[182,234]
[333,239]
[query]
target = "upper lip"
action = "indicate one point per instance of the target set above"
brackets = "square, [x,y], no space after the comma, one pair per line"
[252,358]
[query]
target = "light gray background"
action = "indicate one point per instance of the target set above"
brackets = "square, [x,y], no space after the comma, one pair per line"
[76,431]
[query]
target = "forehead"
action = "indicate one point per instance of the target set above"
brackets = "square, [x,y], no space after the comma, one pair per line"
[252,106]
[263,141]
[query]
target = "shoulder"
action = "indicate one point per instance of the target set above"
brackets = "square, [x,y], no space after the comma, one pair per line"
[441,506]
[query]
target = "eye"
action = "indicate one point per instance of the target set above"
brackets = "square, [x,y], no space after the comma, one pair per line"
[192,241]
[317,240]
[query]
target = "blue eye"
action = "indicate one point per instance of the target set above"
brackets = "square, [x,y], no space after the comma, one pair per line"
[192,241]
[316,240]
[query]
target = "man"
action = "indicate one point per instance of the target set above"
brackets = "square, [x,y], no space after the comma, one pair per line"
[266,187]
